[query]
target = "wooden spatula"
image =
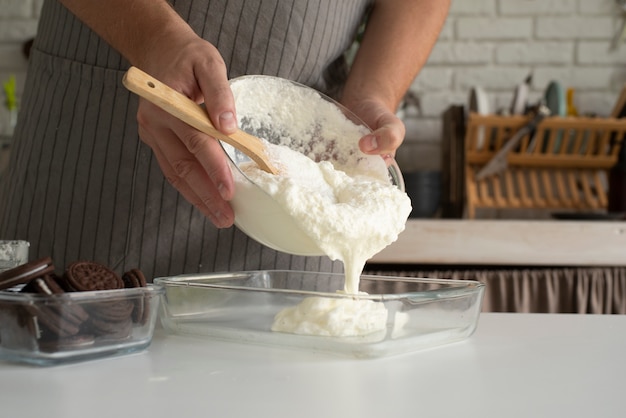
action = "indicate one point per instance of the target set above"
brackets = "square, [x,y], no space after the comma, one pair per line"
[185,109]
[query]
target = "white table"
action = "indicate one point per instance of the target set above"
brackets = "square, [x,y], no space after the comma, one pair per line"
[508,242]
[515,365]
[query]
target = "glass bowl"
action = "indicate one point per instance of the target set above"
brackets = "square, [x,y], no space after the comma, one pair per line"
[241,307]
[13,253]
[287,113]
[36,328]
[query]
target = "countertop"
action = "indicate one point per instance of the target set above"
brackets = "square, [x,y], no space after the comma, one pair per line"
[508,242]
[515,365]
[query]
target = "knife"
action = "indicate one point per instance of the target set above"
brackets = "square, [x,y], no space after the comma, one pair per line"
[499,163]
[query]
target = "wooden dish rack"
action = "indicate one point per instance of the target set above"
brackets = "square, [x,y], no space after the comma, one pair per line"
[562,165]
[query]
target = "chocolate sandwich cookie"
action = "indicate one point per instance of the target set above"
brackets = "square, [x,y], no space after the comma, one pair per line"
[112,310]
[34,286]
[25,273]
[88,275]
[135,278]
[18,329]
[110,330]
[110,319]
[59,319]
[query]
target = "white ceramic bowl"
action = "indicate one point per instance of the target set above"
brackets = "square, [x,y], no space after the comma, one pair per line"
[287,113]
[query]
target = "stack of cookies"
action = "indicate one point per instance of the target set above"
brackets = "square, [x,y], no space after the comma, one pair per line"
[60,322]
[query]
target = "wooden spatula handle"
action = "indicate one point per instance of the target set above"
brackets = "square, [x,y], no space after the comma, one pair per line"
[185,109]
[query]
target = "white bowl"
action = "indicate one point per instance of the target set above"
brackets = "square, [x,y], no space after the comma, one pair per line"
[287,113]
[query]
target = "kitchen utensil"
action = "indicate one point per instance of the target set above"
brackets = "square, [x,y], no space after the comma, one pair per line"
[499,162]
[556,101]
[620,35]
[193,114]
[479,103]
[572,110]
[520,97]
[619,109]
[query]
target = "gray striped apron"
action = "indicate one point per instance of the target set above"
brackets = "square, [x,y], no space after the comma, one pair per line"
[81,185]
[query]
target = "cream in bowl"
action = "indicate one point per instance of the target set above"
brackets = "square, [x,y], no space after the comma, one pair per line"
[314,141]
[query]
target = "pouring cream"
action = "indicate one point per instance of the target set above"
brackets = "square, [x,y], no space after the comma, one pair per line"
[351,218]
[328,197]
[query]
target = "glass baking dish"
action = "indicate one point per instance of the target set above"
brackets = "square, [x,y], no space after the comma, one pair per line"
[241,306]
[75,326]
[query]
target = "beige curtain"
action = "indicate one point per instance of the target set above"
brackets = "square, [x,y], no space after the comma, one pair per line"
[549,290]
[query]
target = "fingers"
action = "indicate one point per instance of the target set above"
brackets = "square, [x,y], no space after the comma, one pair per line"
[207,155]
[220,106]
[192,162]
[387,136]
[218,97]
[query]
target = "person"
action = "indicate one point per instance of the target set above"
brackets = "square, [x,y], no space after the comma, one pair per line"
[81,185]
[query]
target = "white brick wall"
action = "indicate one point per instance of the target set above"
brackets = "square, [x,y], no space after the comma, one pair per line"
[491,43]
[495,44]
